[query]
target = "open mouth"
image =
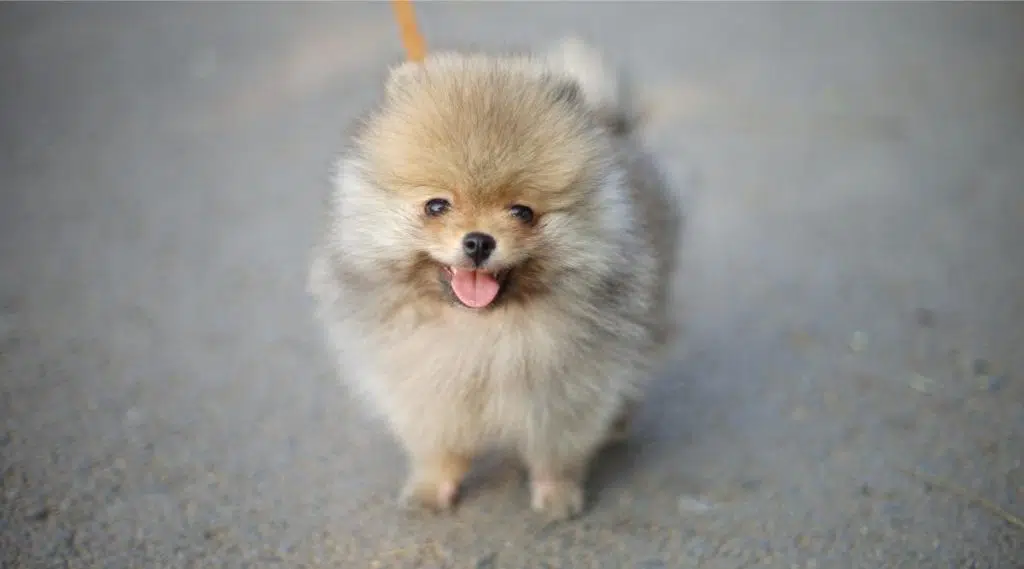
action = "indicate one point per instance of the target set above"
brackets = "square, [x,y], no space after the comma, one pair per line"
[475,288]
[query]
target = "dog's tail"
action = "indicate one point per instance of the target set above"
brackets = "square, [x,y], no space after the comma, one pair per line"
[605,89]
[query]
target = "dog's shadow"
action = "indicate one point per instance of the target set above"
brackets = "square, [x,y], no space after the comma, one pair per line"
[662,428]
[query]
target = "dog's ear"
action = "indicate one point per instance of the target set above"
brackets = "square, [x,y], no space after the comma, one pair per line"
[567,90]
[401,76]
[603,87]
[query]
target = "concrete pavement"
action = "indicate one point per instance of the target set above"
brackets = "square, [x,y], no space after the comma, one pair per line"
[854,275]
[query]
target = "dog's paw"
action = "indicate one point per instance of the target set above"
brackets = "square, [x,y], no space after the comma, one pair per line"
[557,499]
[434,496]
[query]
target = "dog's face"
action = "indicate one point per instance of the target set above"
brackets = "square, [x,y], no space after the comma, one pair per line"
[479,238]
[495,172]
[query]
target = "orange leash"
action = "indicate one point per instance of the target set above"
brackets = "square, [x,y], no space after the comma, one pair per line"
[415,47]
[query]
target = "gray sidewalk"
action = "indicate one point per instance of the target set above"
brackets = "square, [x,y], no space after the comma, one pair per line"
[854,275]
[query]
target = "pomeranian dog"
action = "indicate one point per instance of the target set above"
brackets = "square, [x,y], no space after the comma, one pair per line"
[496,266]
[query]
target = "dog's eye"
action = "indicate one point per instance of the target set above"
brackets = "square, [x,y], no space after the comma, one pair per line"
[521,212]
[437,206]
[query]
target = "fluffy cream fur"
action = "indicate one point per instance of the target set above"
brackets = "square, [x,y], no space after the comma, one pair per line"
[552,368]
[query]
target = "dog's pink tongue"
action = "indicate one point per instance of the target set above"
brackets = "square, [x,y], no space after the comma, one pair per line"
[475,289]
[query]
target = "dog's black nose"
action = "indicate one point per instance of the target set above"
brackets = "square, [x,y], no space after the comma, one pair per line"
[478,246]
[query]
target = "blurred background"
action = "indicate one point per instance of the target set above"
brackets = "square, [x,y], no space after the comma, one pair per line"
[849,392]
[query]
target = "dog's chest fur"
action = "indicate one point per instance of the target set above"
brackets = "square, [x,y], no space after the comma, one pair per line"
[497,375]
